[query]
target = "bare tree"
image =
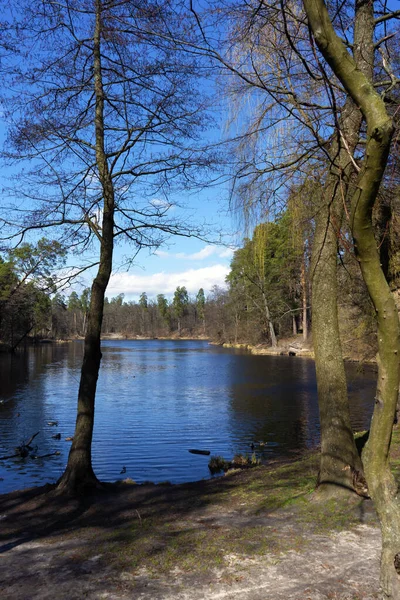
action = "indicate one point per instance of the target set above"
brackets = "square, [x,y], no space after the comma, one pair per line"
[301,124]
[106,118]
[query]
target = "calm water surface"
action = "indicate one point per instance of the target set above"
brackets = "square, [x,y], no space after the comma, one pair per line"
[156,399]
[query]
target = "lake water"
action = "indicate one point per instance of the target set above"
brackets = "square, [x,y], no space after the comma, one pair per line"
[156,400]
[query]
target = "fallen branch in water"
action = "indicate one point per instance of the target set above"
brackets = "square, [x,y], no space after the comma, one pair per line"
[24,449]
[28,443]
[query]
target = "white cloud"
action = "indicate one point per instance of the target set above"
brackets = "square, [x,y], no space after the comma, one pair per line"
[160,203]
[202,254]
[162,254]
[228,253]
[166,283]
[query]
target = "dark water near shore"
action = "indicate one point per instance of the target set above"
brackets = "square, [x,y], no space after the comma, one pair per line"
[156,399]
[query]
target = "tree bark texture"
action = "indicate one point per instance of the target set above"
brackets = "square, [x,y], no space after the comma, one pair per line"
[340,462]
[381,484]
[79,473]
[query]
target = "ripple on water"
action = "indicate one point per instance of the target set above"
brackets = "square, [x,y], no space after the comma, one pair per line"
[156,399]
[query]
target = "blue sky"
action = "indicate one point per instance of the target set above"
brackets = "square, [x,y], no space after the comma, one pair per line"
[182,261]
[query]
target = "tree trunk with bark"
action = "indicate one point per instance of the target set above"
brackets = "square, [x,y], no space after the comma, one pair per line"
[79,474]
[340,461]
[381,484]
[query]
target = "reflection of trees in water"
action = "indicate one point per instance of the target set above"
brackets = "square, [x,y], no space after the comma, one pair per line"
[29,377]
[74,355]
[14,372]
[213,394]
[273,399]
[22,413]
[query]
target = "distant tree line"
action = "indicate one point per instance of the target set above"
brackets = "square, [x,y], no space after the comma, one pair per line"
[266,297]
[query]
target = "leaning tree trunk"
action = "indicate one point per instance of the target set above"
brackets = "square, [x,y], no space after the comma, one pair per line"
[79,473]
[340,463]
[382,486]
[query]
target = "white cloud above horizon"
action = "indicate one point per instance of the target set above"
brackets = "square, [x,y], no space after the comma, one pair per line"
[206,252]
[132,285]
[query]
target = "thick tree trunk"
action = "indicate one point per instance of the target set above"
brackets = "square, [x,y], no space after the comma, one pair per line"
[79,474]
[383,488]
[340,462]
[381,484]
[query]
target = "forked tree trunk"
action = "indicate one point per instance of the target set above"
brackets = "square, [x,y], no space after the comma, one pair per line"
[79,474]
[340,462]
[381,483]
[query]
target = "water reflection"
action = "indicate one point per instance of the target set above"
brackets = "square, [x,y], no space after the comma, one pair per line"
[156,399]
[273,400]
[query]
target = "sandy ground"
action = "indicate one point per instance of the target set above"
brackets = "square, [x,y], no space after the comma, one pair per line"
[67,549]
[340,566]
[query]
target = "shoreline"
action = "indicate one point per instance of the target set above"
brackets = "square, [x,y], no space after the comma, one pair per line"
[231,536]
[294,346]
[285,347]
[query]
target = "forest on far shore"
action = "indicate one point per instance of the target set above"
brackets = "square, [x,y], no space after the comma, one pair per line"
[266,297]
